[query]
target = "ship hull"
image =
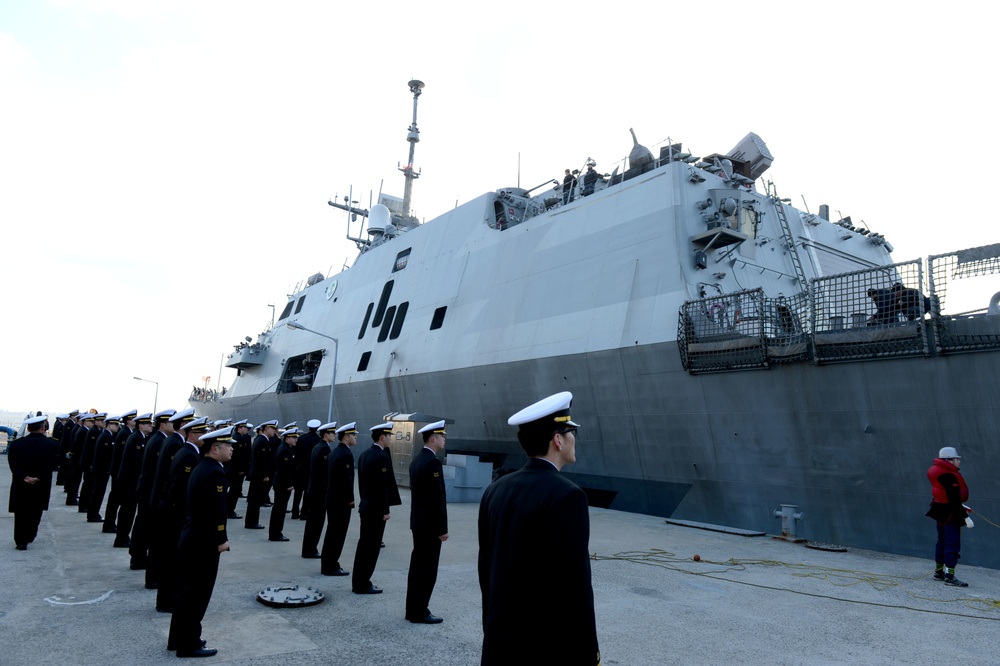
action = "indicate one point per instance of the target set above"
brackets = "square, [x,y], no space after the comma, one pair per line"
[848,444]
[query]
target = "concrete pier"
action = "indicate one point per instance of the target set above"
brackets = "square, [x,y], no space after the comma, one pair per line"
[71,599]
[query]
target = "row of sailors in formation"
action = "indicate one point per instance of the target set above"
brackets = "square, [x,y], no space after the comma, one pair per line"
[148,463]
[170,509]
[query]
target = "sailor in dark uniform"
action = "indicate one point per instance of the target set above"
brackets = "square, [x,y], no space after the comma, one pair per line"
[428,522]
[65,441]
[202,541]
[284,484]
[117,451]
[239,465]
[128,477]
[139,547]
[303,456]
[87,462]
[173,511]
[339,500]
[32,460]
[75,455]
[62,422]
[534,562]
[100,467]
[315,498]
[261,473]
[159,535]
[377,486]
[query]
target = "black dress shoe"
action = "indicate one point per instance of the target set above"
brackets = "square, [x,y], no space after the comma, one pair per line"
[280,537]
[137,566]
[295,516]
[95,519]
[72,503]
[161,609]
[371,590]
[122,544]
[336,572]
[110,530]
[312,556]
[200,652]
[254,527]
[234,516]
[427,619]
[21,547]
[266,504]
[153,586]
[172,647]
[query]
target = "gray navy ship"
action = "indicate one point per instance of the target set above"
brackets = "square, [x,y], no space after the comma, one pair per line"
[732,358]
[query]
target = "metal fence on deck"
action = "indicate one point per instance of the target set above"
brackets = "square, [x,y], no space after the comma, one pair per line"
[971,330]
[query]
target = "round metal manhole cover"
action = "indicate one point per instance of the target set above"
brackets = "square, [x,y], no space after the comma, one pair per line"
[290,596]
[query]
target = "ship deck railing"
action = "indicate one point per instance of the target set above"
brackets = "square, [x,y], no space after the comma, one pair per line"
[884,312]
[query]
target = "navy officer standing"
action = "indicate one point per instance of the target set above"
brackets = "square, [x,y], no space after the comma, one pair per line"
[202,541]
[377,487]
[32,460]
[534,561]
[428,522]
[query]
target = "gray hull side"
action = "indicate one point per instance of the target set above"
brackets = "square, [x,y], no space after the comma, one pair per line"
[849,444]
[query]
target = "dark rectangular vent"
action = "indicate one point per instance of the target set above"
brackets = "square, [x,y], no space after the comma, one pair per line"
[287,311]
[363,363]
[364,324]
[397,324]
[438,319]
[383,301]
[386,324]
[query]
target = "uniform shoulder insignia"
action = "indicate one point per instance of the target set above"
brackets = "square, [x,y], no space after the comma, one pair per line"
[221,528]
[383,470]
[218,489]
[437,474]
[187,470]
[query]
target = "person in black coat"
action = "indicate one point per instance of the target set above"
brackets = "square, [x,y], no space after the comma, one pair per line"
[117,451]
[284,484]
[534,560]
[32,459]
[173,512]
[239,465]
[339,499]
[428,522]
[261,473]
[75,472]
[128,478]
[87,462]
[202,541]
[65,441]
[377,486]
[303,456]
[100,468]
[315,498]
[159,534]
[139,546]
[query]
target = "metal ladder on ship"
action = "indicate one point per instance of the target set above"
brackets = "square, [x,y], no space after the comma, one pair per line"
[790,244]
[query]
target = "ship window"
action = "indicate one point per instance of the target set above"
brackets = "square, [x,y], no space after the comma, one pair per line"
[299,372]
[299,306]
[364,324]
[382,302]
[386,324]
[363,363]
[287,311]
[438,319]
[401,260]
[397,324]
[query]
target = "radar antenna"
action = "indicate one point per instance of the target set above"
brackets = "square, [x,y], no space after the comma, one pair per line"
[413,136]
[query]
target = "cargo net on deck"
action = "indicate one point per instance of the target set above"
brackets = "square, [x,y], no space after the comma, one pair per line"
[871,313]
[963,321]
[742,330]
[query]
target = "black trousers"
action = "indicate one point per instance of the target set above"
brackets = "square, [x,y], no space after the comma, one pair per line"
[423,574]
[277,522]
[235,490]
[256,496]
[126,518]
[169,563]
[199,571]
[72,484]
[85,487]
[98,488]
[336,534]
[315,517]
[111,511]
[369,545]
[26,525]
[299,500]
[139,548]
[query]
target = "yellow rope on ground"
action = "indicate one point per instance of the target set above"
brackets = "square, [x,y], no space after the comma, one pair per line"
[839,577]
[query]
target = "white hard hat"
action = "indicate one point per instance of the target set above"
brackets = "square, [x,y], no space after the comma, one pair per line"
[948,452]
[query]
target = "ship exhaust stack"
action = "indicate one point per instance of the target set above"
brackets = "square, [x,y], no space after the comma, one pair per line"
[413,136]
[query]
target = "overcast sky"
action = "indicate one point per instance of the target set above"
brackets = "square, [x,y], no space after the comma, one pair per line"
[165,166]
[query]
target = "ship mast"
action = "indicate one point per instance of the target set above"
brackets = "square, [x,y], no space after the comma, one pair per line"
[413,136]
